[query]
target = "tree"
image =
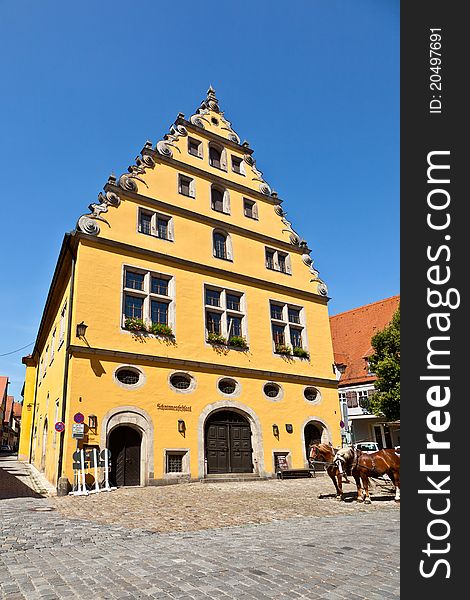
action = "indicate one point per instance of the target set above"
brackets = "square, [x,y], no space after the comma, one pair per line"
[385,363]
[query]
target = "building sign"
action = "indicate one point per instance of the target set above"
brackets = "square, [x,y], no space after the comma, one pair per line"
[78,431]
[177,407]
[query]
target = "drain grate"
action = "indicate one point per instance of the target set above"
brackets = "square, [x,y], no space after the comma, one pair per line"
[42,509]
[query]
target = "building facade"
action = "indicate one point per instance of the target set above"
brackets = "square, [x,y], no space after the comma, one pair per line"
[185,322]
[4,382]
[11,423]
[352,332]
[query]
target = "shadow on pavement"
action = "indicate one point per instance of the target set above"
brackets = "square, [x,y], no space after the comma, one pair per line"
[11,485]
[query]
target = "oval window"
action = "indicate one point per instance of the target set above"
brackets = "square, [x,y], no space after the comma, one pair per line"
[311,394]
[272,390]
[128,376]
[180,381]
[227,386]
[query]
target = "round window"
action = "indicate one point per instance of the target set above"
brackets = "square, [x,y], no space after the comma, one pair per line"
[128,376]
[311,394]
[214,121]
[272,390]
[227,386]
[180,381]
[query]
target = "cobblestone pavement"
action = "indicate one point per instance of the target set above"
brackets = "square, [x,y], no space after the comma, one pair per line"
[45,554]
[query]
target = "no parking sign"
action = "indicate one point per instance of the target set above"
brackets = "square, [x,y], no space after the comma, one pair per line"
[59,426]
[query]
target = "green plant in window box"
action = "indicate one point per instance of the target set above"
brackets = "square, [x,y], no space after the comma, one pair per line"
[283,349]
[216,339]
[161,329]
[300,352]
[134,324]
[238,341]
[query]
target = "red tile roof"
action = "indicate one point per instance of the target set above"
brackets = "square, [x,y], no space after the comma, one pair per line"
[3,386]
[17,409]
[351,333]
[8,407]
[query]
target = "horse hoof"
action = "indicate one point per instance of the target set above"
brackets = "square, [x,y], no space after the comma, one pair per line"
[367,501]
[339,498]
[397,500]
[359,500]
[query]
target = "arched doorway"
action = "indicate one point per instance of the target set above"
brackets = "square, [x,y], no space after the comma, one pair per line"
[125,446]
[228,443]
[312,435]
[44,445]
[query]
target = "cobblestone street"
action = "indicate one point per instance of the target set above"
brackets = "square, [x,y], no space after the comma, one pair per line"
[241,541]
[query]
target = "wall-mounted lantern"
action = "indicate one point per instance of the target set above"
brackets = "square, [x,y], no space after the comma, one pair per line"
[92,421]
[289,428]
[181,426]
[276,431]
[81,330]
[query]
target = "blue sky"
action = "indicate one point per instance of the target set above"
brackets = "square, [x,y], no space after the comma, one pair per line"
[313,85]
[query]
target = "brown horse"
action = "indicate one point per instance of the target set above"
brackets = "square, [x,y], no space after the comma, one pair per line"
[326,453]
[363,465]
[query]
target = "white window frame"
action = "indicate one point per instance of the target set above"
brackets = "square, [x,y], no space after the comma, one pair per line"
[192,185]
[225,199]
[186,471]
[276,254]
[223,156]
[228,245]
[51,354]
[147,295]
[225,312]
[284,322]
[154,216]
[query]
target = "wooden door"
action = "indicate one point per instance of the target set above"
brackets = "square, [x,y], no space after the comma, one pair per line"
[125,447]
[228,444]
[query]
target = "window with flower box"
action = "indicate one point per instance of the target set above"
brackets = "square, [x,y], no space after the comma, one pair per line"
[288,329]
[225,316]
[148,301]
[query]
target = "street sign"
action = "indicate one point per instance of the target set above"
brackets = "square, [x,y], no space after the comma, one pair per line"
[59,426]
[78,417]
[78,431]
[341,424]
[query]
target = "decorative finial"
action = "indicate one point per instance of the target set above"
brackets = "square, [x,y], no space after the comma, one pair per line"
[211,100]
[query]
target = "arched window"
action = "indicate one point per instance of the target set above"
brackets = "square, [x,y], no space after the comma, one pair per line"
[217,156]
[222,245]
[220,199]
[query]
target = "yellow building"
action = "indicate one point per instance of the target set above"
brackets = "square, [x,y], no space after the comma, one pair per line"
[185,321]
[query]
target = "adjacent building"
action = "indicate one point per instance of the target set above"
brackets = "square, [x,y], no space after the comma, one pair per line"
[11,423]
[185,323]
[4,382]
[352,332]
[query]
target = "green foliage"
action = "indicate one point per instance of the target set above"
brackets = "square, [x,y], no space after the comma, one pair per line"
[237,341]
[216,339]
[133,324]
[284,350]
[300,352]
[161,329]
[385,363]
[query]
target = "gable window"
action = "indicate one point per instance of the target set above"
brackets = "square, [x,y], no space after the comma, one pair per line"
[195,147]
[222,245]
[186,186]
[225,312]
[288,326]
[250,209]
[62,325]
[51,357]
[237,165]
[278,261]
[215,157]
[148,297]
[156,224]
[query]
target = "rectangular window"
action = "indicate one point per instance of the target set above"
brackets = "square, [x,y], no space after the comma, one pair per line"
[270,259]
[213,322]
[162,228]
[159,312]
[186,186]
[195,147]
[133,307]
[277,261]
[145,223]
[227,317]
[212,297]
[250,209]
[233,302]
[351,399]
[159,286]
[151,299]
[290,331]
[236,164]
[63,314]
[51,357]
[174,462]
[134,281]
[294,315]
[234,326]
